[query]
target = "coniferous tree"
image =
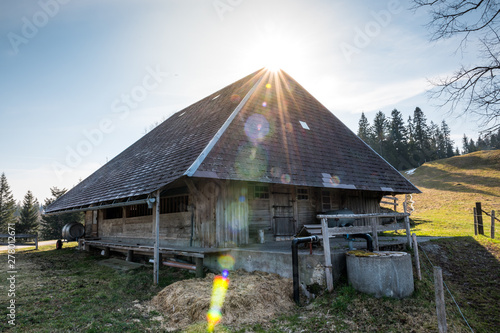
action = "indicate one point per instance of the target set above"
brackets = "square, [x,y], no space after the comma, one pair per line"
[465,144]
[51,225]
[472,146]
[422,137]
[397,146]
[364,129]
[448,142]
[379,132]
[29,219]
[7,205]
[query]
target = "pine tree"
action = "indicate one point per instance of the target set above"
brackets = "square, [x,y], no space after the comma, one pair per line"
[465,144]
[379,132]
[397,153]
[7,205]
[364,131]
[29,219]
[447,139]
[51,225]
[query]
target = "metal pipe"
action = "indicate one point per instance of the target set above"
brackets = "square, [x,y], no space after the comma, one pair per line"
[295,264]
[176,264]
[368,237]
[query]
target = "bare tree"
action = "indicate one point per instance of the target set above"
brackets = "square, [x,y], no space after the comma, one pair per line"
[476,86]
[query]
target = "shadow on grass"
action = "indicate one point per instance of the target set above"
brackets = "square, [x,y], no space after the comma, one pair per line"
[471,269]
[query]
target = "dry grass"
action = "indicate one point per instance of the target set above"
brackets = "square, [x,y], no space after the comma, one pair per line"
[251,298]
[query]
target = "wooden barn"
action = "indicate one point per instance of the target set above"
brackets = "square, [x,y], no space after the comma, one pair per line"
[252,162]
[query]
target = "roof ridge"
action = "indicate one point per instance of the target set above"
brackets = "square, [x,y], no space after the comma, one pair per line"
[194,167]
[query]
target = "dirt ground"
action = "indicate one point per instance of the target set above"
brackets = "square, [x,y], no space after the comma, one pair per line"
[251,298]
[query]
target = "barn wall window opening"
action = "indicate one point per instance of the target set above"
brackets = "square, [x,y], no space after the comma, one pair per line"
[261,192]
[302,194]
[113,213]
[175,204]
[139,210]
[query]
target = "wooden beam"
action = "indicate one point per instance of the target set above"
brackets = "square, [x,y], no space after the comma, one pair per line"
[360,216]
[417,258]
[407,225]
[374,222]
[194,191]
[156,222]
[328,258]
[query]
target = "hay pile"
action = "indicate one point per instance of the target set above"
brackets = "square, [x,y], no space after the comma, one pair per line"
[251,298]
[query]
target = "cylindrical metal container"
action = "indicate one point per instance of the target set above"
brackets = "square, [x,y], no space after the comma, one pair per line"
[72,231]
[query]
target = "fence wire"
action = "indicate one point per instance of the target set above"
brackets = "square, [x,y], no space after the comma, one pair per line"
[449,292]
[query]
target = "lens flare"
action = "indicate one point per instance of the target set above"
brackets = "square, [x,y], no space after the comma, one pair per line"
[251,161]
[226,262]
[335,180]
[219,290]
[256,127]
[268,86]
[285,178]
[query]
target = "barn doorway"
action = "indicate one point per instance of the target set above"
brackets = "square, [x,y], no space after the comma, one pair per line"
[283,213]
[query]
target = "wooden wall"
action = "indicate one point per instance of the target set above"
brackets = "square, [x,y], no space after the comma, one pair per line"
[228,213]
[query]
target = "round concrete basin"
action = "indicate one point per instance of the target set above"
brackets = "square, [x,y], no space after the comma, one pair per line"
[381,273]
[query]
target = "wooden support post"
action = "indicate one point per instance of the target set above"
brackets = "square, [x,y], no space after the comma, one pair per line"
[130,255]
[440,304]
[479,214]
[156,268]
[407,226]
[475,221]
[374,225]
[417,258]
[36,239]
[328,258]
[492,224]
[199,268]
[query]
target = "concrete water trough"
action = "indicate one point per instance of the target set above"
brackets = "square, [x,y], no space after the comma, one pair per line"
[380,273]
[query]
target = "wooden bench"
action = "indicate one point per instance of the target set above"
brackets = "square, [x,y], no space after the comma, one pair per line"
[25,237]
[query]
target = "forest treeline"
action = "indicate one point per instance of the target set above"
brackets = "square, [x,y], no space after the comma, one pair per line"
[26,217]
[408,144]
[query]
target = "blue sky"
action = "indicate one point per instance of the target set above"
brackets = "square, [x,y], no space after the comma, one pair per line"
[82,80]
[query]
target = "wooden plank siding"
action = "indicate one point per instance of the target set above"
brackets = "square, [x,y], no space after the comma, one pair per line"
[231,213]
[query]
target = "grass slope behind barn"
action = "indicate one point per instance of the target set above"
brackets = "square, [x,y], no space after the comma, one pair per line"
[450,189]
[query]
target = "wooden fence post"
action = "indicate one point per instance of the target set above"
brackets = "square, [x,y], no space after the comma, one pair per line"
[479,213]
[374,223]
[492,224]
[440,305]
[328,258]
[417,259]
[475,222]
[407,225]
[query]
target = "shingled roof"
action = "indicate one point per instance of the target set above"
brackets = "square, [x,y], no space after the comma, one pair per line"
[264,128]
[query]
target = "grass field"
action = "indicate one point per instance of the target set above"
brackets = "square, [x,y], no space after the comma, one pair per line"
[450,189]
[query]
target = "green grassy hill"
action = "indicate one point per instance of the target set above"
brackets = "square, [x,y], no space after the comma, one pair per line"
[450,188]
